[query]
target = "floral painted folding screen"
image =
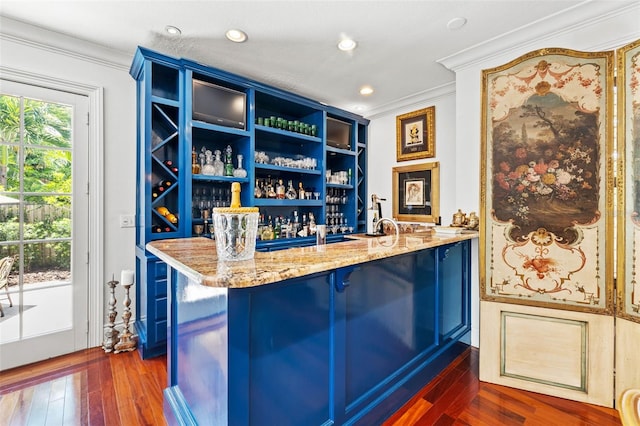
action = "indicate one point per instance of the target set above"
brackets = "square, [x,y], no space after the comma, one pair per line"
[628,58]
[547,181]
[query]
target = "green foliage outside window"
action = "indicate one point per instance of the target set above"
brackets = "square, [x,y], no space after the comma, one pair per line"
[46,146]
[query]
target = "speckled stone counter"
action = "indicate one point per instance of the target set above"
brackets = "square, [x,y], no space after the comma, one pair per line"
[341,334]
[196,257]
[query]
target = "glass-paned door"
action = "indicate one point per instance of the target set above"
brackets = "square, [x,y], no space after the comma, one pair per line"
[43,223]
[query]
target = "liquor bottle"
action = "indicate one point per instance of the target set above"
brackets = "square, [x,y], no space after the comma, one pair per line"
[277,229]
[305,226]
[257,191]
[271,229]
[312,224]
[280,190]
[300,191]
[271,192]
[195,167]
[291,193]
[296,224]
[267,231]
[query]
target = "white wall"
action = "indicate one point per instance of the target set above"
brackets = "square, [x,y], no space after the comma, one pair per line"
[595,26]
[26,51]
[381,150]
[592,26]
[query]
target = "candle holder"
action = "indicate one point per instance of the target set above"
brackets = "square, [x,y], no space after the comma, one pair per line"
[111,335]
[127,341]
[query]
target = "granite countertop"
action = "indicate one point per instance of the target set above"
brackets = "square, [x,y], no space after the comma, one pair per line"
[197,259]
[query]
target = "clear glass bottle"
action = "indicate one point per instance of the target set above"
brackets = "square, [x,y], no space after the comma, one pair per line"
[291,193]
[301,191]
[218,166]
[208,167]
[240,172]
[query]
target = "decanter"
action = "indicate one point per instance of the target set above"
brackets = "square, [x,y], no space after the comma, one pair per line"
[218,166]
[240,172]
[208,168]
[228,164]
[291,193]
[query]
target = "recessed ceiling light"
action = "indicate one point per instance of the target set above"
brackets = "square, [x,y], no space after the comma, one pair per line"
[347,44]
[171,30]
[366,90]
[456,23]
[236,36]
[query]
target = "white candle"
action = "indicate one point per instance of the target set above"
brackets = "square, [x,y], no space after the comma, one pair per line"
[126,278]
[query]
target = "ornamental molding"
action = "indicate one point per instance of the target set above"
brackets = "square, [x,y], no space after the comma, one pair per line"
[544,31]
[60,44]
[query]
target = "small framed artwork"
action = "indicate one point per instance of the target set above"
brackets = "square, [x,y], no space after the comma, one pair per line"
[416,193]
[416,135]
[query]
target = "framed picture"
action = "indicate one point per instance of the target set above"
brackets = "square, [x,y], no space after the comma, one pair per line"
[416,134]
[416,193]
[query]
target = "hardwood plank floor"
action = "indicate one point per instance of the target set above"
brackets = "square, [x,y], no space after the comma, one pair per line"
[93,388]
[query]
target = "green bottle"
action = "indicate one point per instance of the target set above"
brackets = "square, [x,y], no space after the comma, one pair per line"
[228,164]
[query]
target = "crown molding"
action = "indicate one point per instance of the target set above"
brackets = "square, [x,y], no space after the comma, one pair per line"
[419,99]
[535,34]
[39,38]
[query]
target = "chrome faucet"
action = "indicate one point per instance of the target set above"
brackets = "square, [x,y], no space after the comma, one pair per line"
[379,229]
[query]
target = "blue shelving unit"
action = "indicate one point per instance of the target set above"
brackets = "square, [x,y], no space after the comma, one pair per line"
[168,132]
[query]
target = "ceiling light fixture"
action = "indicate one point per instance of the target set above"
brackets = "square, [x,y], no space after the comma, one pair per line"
[236,36]
[366,90]
[171,30]
[347,44]
[456,23]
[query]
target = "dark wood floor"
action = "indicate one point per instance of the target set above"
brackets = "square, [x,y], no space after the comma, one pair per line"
[94,388]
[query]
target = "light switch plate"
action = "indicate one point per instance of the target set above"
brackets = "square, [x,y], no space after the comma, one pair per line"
[127,221]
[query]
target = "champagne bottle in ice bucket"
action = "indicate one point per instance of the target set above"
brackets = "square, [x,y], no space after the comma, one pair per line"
[236,228]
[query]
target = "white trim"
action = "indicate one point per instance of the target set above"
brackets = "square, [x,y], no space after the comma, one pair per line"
[35,37]
[536,34]
[418,100]
[95,296]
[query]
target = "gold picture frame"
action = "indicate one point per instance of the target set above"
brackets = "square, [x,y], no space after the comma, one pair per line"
[416,134]
[416,193]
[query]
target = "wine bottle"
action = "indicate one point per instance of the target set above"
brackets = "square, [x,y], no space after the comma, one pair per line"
[158,189]
[170,166]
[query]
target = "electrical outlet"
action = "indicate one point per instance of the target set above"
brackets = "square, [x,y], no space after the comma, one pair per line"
[127,221]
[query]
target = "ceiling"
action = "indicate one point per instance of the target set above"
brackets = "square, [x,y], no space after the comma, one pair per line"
[292,44]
